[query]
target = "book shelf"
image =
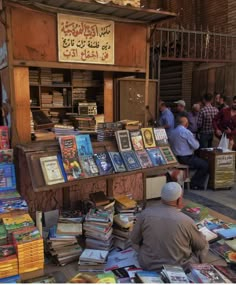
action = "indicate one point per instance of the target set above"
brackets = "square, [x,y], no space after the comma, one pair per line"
[58,91]
[64,195]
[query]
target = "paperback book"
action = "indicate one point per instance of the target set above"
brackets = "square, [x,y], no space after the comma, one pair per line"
[84,144]
[7,250]
[130,159]
[174,274]
[227,271]
[137,140]
[149,277]
[88,165]
[117,161]
[13,205]
[6,156]
[17,222]
[104,163]
[7,177]
[123,140]
[205,273]
[4,137]
[160,136]
[51,170]
[156,156]
[70,158]
[148,137]
[144,158]
[168,154]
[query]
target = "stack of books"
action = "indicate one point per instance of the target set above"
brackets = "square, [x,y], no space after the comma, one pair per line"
[29,248]
[93,260]
[106,131]
[123,221]
[57,78]
[81,77]
[8,266]
[3,235]
[79,94]
[34,76]
[98,229]
[62,130]
[12,207]
[46,76]
[85,123]
[54,116]
[46,100]
[57,99]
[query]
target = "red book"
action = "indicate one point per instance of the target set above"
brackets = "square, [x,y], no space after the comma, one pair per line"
[4,137]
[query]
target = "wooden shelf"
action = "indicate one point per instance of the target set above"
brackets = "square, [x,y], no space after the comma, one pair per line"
[35,107]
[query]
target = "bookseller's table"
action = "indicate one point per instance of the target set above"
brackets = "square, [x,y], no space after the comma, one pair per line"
[221,168]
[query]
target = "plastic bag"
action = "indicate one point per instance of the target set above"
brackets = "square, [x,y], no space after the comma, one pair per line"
[224,142]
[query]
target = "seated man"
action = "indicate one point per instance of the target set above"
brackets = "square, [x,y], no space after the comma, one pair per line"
[164,235]
[183,145]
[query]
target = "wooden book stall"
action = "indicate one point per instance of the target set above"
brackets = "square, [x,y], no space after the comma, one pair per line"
[41,197]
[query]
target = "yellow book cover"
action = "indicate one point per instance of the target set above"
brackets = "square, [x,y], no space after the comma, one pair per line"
[125,201]
[17,222]
[148,137]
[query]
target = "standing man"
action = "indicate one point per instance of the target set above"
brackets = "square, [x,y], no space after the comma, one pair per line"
[193,118]
[164,235]
[180,110]
[225,122]
[167,120]
[184,144]
[205,127]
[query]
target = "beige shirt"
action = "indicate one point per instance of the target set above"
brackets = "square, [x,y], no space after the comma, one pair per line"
[164,235]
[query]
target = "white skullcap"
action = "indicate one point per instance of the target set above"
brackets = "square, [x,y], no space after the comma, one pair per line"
[180,102]
[171,191]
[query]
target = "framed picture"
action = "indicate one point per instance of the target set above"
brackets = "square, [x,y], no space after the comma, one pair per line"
[168,154]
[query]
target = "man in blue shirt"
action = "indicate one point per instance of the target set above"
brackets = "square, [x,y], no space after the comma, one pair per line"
[183,145]
[167,119]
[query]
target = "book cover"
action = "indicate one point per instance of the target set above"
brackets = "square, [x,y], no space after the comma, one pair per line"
[209,235]
[137,140]
[7,177]
[227,233]
[11,205]
[117,161]
[94,255]
[195,211]
[88,165]
[4,137]
[144,158]
[7,250]
[123,140]
[168,154]
[231,244]
[160,136]
[205,273]
[106,278]
[125,202]
[156,156]
[149,277]
[6,156]
[227,271]
[175,274]
[148,137]
[130,159]
[84,144]
[104,163]
[99,198]
[16,222]
[51,170]
[220,249]
[70,157]
[26,235]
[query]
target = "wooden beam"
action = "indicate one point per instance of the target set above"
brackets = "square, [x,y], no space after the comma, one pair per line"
[0,5]
[21,106]
[108,96]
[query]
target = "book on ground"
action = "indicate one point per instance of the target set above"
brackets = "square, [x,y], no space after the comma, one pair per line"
[99,198]
[205,273]
[149,277]
[174,274]
[94,255]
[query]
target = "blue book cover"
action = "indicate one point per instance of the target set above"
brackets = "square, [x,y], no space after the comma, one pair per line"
[88,165]
[84,145]
[104,163]
[7,177]
[11,279]
[156,156]
[130,160]
[117,161]
[227,233]
[7,206]
[59,158]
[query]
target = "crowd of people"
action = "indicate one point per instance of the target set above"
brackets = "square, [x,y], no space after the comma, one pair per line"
[189,131]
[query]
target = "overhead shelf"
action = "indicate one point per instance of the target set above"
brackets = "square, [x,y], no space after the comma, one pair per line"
[106,11]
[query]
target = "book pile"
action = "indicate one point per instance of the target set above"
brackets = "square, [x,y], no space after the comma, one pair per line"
[174,274]
[131,125]
[46,76]
[123,221]
[46,99]
[57,99]
[62,130]
[29,248]
[106,131]
[54,116]
[9,207]
[98,229]
[84,123]
[79,95]
[9,266]
[81,78]
[195,211]
[57,78]
[93,260]
[34,76]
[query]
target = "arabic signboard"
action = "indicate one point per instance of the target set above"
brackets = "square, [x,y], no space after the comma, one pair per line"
[225,161]
[85,40]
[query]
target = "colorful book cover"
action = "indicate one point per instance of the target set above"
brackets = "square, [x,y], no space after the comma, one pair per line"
[130,159]
[4,137]
[7,177]
[7,250]
[6,156]
[149,277]
[137,140]
[143,158]
[117,161]
[148,137]
[168,154]
[70,157]
[104,163]
[51,170]
[17,222]
[88,165]
[10,205]
[9,194]
[84,145]
[26,235]
[160,136]
[123,140]
[227,271]
[205,273]
[156,156]
[60,161]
